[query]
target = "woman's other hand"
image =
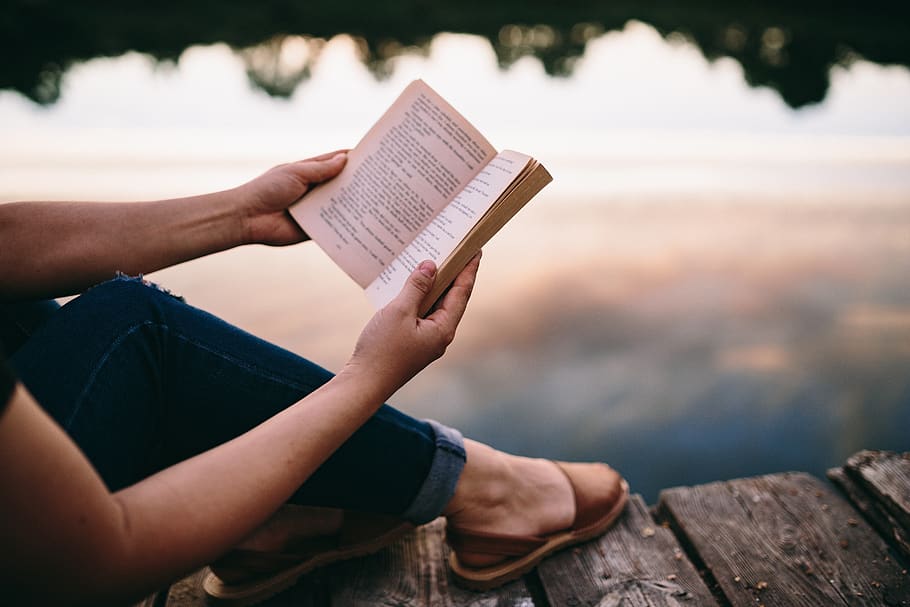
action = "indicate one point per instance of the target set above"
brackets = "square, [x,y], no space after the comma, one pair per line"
[264,200]
[397,343]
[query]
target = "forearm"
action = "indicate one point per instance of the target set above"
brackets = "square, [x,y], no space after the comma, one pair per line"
[102,548]
[49,249]
[190,513]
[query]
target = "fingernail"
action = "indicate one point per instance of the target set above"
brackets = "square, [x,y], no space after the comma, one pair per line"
[427,268]
[338,156]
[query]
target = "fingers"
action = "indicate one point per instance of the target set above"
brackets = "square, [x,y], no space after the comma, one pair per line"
[417,286]
[321,169]
[452,307]
[327,155]
[397,343]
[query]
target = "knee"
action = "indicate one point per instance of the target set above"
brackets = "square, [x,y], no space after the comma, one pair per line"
[127,301]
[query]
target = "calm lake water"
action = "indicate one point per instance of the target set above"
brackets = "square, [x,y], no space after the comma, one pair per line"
[717,283]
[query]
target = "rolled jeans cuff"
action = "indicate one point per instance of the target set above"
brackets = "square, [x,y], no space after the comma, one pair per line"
[439,485]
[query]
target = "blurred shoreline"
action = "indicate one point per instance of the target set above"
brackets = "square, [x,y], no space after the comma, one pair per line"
[633,164]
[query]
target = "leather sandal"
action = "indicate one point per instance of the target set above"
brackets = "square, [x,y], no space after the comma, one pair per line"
[600,497]
[246,577]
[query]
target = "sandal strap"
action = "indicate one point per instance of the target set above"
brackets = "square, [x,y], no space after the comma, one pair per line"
[466,540]
[589,506]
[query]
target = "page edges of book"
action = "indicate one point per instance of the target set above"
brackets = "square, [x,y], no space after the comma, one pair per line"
[452,225]
[520,192]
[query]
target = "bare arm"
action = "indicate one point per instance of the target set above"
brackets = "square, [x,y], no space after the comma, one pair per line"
[48,249]
[60,523]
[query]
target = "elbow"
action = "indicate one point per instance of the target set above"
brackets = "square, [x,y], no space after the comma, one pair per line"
[92,568]
[109,569]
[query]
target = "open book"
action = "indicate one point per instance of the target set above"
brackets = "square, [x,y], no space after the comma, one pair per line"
[422,184]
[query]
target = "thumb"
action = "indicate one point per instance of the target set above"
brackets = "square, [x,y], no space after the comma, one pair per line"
[417,286]
[316,171]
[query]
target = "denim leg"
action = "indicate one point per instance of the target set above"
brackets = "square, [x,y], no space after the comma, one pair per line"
[141,380]
[439,485]
[19,320]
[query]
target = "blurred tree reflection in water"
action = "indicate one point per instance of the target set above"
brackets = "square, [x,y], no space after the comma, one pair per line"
[788,46]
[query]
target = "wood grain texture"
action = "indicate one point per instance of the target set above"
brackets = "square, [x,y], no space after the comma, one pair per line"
[187,592]
[785,539]
[637,563]
[413,573]
[874,511]
[887,476]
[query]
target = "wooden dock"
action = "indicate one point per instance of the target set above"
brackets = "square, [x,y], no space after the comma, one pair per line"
[777,540]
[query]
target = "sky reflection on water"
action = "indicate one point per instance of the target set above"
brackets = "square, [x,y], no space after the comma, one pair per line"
[715,285]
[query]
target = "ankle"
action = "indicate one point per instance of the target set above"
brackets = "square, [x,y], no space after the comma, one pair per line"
[485,483]
[498,491]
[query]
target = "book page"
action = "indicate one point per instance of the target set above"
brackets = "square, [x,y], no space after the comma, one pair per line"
[413,161]
[442,236]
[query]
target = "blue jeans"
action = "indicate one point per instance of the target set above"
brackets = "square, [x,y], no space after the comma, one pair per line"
[140,380]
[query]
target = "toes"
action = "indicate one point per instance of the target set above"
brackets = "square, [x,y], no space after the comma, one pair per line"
[597,488]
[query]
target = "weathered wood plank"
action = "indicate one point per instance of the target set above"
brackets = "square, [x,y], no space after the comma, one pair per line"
[636,563]
[785,539]
[413,572]
[874,511]
[887,476]
[187,592]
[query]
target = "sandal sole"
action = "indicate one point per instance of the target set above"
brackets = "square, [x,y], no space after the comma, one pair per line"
[497,575]
[251,593]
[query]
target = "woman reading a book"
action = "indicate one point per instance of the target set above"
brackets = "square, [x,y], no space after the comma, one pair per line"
[141,438]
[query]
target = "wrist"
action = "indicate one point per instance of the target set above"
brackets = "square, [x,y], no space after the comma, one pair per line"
[372,382]
[221,217]
[240,221]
